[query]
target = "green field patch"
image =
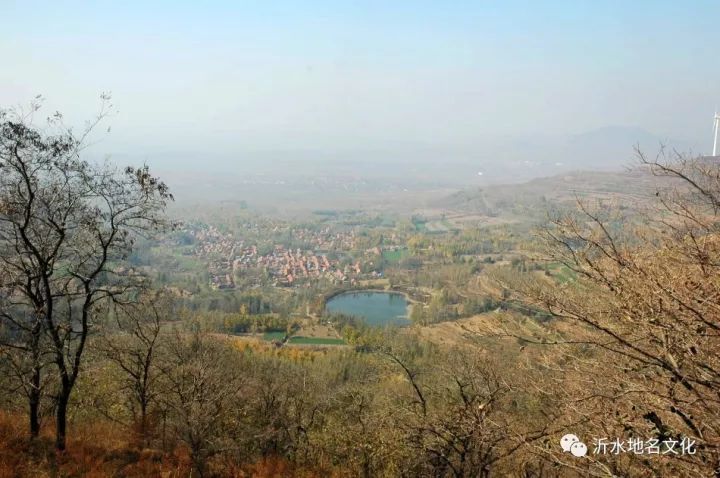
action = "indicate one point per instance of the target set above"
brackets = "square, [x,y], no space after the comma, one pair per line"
[270,336]
[395,256]
[316,341]
[562,273]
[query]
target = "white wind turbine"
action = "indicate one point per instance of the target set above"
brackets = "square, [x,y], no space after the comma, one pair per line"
[716,127]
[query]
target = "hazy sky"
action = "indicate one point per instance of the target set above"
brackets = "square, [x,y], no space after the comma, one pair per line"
[340,75]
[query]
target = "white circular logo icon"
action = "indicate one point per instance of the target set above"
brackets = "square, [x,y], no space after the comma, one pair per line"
[578,449]
[572,443]
[567,441]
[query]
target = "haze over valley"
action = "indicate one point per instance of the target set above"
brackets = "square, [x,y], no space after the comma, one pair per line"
[359,239]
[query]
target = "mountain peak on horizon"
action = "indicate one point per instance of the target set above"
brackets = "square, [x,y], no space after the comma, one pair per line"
[618,133]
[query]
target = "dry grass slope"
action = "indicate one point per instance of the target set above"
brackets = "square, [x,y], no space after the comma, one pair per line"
[100,450]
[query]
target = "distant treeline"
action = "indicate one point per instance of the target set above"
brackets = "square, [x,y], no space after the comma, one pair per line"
[230,301]
[238,323]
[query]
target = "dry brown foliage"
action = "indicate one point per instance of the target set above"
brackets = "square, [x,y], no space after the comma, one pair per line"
[638,355]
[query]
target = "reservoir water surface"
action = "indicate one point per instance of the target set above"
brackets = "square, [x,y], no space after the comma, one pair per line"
[375,308]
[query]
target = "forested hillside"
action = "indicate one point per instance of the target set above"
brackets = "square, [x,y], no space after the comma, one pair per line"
[135,345]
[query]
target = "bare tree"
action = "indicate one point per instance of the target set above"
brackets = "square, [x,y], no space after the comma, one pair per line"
[458,418]
[201,393]
[645,306]
[133,348]
[65,227]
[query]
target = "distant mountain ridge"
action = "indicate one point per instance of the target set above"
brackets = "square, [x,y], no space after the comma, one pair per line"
[633,185]
[615,146]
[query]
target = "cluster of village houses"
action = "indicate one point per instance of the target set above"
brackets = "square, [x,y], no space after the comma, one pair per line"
[230,257]
[289,266]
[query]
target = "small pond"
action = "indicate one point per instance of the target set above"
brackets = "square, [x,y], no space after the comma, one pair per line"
[375,308]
